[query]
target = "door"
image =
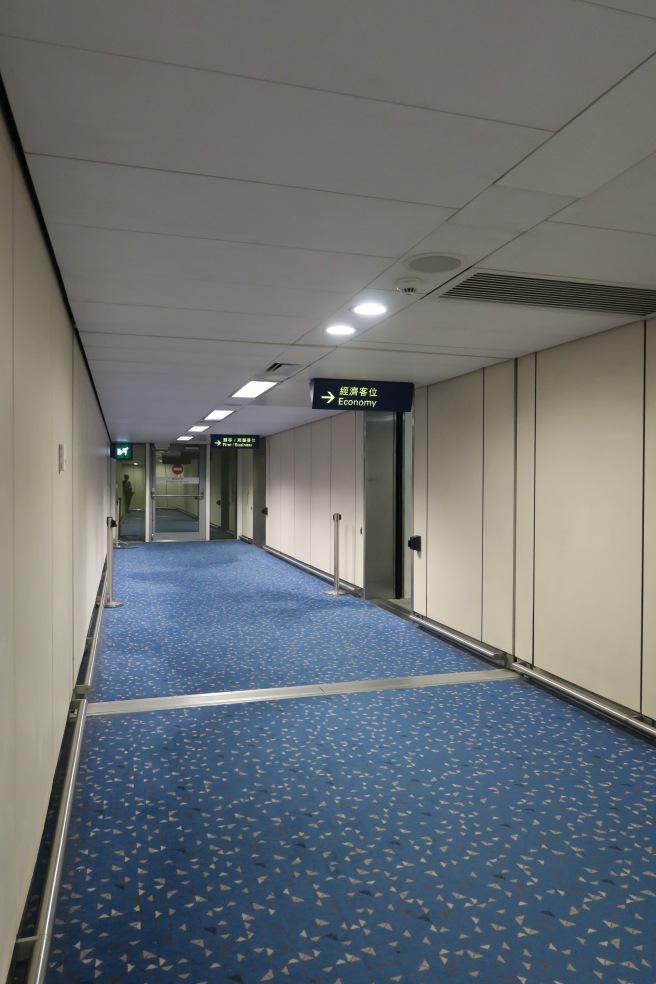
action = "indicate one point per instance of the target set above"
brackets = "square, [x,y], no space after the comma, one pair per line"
[131,482]
[178,494]
[223,493]
[388,507]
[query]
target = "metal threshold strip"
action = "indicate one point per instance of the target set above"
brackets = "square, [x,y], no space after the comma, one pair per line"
[287,693]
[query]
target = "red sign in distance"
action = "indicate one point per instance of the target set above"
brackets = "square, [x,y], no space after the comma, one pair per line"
[177,469]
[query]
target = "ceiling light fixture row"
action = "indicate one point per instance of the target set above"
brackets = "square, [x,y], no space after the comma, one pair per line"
[368,309]
[248,392]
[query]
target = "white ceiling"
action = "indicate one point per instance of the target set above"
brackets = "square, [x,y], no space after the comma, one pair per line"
[222,179]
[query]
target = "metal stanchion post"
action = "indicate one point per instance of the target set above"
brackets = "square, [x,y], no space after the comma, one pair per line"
[336,590]
[109,601]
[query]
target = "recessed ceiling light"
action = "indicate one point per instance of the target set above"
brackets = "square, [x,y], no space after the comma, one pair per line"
[199,428]
[251,390]
[185,437]
[369,308]
[340,330]
[218,414]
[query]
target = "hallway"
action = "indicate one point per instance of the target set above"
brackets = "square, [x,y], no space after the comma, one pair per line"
[392,809]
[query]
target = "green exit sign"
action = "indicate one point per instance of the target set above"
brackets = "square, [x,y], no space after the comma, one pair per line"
[122,451]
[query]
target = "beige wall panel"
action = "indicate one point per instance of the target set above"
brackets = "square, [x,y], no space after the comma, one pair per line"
[245,479]
[649,608]
[455,503]
[359,500]
[62,513]
[303,493]
[588,512]
[499,505]
[342,490]
[274,452]
[33,559]
[420,503]
[525,508]
[320,539]
[287,493]
[91,471]
[9,914]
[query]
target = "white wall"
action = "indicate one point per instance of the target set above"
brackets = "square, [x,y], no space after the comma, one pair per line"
[498,505]
[312,472]
[51,530]
[531,476]
[649,586]
[588,512]
[8,819]
[454,529]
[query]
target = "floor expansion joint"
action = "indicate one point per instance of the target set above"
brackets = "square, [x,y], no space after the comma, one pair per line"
[286,693]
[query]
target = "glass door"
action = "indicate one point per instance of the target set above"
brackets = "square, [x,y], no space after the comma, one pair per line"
[178,493]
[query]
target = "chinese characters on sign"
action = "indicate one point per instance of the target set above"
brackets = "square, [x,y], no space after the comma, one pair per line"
[242,442]
[356,394]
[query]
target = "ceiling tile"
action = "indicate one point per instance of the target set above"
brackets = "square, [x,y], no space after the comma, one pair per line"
[477,327]
[627,202]
[141,200]
[219,325]
[576,252]
[615,132]
[294,137]
[523,62]
[355,363]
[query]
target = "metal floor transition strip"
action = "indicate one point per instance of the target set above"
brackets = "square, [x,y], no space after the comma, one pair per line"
[285,693]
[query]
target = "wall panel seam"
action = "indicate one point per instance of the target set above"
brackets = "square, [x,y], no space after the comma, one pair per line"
[535,485]
[644,481]
[514,527]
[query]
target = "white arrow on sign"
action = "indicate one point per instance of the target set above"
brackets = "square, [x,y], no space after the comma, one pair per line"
[330,397]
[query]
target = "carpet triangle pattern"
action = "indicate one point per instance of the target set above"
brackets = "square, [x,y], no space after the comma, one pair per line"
[206,617]
[488,833]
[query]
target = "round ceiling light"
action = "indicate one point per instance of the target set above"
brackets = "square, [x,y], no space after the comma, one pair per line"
[369,309]
[340,330]
[434,263]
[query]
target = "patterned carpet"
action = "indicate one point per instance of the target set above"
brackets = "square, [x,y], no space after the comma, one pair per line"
[486,832]
[205,617]
[479,831]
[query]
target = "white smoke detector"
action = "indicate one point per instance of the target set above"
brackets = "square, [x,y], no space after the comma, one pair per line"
[408,285]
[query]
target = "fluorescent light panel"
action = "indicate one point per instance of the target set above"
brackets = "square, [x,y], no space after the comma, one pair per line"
[218,414]
[185,437]
[199,428]
[251,390]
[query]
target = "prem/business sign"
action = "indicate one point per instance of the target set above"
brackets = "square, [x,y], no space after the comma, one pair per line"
[242,442]
[361,394]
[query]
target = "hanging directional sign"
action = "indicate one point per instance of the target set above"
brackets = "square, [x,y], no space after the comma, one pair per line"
[122,452]
[361,394]
[242,442]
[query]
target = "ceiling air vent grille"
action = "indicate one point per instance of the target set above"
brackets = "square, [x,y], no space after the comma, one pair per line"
[283,368]
[511,289]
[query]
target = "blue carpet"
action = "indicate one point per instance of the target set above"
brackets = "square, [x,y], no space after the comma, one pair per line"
[133,524]
[202,617]
[487,832]
[175,521]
